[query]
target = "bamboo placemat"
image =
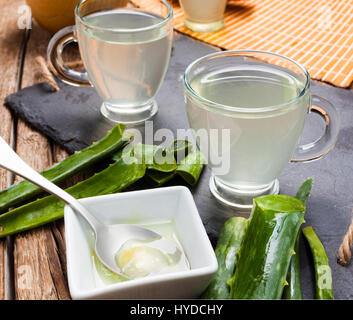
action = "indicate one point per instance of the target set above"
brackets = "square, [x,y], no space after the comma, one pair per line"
[316,33]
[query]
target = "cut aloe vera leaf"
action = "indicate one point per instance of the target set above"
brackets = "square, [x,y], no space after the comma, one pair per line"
[191,166]
[159,178]
[25,190]
[180,148]
[294,289]
[154,157]
[323,275]
[229,242]
[189,169]
[115,178]
[304,190]
[267,248]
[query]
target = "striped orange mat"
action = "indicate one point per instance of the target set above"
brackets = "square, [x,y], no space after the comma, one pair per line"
[316,33]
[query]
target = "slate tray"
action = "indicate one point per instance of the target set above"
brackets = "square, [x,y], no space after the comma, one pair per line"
[71,117]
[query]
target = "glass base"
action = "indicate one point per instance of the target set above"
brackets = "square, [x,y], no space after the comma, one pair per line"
[204,27]
[241,199]
[133,115]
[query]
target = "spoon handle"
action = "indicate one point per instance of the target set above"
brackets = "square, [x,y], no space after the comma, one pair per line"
[11,161]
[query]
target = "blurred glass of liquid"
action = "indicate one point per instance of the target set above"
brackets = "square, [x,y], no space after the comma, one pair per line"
[204,15]
[53,15]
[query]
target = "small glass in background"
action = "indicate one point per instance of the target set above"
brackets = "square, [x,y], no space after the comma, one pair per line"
[204,15]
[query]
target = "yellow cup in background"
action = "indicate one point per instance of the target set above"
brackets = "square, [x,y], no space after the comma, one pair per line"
[53,15]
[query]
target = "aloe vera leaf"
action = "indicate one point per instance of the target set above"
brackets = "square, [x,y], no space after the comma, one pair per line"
[294,289]
[154,157]
[48,209]
[25,190]
[159,178]
[191,166]
[266,250]
[115,178]
[304,190]
[180,148]
[323,276]
[229,241]
[189,169]
[180,145]
[163,160]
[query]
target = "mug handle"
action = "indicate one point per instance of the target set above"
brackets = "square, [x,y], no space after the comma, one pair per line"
[56,64]
[321,146]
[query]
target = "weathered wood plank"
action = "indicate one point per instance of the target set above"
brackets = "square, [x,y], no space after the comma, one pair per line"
[11,44]
[38,269]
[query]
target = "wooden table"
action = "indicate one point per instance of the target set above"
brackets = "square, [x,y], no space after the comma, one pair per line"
[32,264]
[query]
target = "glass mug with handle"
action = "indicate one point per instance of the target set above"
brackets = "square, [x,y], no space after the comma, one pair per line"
[247,110]
[125,51]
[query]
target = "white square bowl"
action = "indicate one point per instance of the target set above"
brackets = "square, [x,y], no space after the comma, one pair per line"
[161,203]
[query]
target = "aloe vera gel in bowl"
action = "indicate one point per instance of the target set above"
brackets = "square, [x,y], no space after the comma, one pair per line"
[140,258]
[170,212]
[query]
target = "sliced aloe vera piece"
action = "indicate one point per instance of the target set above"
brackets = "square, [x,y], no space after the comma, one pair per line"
[180,148]
[229,242]
[267,248]
[323,275]
[154,157]
[191,167]
[293,291]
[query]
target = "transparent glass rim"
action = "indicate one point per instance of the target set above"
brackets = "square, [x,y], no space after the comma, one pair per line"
[122,30]
[212,104]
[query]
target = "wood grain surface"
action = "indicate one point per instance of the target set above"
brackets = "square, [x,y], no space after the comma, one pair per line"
[11,46]
[39,256]
[38,273]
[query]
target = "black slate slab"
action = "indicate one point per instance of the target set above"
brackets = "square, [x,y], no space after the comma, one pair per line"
[71,118]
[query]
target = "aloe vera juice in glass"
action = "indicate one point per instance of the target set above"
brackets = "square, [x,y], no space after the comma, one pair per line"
[260,145]
[252,106]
